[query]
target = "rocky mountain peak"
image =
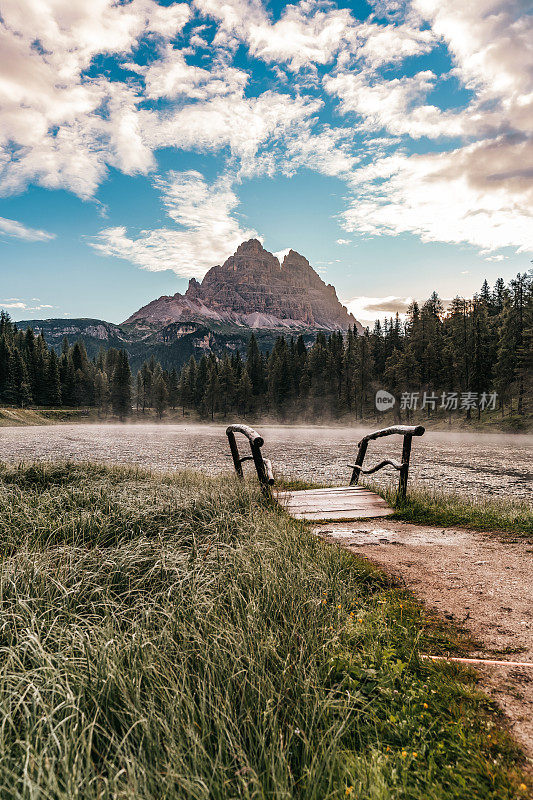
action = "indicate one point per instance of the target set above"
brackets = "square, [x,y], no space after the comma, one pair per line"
[251,246]
[252,289]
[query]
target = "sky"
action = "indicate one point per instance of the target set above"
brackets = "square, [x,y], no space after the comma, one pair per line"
[388,141]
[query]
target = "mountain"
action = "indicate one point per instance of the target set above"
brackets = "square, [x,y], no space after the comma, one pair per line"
[253,290]
[172,345]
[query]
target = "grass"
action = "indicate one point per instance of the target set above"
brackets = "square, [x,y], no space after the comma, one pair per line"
[446,509]
[451,509]
[45,416]
[179,637]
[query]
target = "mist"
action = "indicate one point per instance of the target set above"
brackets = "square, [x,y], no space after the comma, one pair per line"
[481,464]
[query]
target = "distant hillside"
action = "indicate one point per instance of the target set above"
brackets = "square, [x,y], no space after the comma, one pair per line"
[171,345]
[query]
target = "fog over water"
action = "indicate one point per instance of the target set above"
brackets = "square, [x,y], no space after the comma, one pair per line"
[482,464]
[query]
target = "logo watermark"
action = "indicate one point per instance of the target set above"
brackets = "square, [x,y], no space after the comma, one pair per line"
[384,400]
[445,401]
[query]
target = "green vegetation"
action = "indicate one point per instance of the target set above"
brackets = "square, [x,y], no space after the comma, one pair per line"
[474,348]
[432,507]
[45,416]
[180,637]
[33,374]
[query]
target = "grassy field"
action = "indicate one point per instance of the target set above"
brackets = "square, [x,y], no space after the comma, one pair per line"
[179,637]
[430,507]
[45,416]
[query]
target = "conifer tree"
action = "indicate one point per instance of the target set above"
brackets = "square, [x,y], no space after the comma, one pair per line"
[121,386]
[101,393]
[506,363]
[245,392]
[199,378]
[53,382]
[226,380]
[254,366]
[173,392]
[279,375]
[212,389]
[160,393]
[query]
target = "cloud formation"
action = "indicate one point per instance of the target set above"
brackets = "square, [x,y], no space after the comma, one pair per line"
[445,153]
[10,227]
[16,304]
[209,230]
[368,309]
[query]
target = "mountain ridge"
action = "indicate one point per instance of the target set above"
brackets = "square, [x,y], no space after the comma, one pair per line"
[253,289]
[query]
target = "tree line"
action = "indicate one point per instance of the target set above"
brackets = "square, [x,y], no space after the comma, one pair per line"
[479,345]
[474,347]
[31,373]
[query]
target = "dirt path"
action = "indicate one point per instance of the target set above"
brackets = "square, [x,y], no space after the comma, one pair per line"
[478,580]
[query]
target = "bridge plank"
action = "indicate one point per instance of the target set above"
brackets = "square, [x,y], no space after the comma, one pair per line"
[333,503]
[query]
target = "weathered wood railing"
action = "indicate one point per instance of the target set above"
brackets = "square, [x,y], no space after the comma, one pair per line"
[407,431]
[262,465]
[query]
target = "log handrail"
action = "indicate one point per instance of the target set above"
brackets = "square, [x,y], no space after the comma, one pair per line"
[402,430]
[407,431]
[384,463]
[262,465]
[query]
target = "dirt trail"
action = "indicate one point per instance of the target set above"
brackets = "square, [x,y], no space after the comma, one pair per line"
[476,579]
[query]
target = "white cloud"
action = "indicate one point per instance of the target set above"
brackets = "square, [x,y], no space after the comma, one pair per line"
[209,229]
[327,151]
[344,241]
[312,32]
[11,227]
[477,194]
[280,254]
[491,40]
[63,127]
[15,304]
[60,128]
[497,257]
[369,309]
[242,124]
[171,76]
[18,305]
[394,105]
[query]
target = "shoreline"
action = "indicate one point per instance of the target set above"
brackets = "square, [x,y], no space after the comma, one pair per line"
[42,417]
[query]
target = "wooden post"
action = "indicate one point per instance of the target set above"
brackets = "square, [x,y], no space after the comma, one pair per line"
[363,444]
[235,453]
[259,464]
[404,471]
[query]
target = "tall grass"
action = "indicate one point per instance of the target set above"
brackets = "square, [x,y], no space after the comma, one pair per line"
[434,507]
[179,637]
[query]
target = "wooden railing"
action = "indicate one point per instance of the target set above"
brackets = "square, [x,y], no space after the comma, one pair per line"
[262,465]
[407,431]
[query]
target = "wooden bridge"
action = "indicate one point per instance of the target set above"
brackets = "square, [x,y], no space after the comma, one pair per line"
[336,503]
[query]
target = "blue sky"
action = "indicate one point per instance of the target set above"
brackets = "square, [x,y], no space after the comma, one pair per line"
[140,142]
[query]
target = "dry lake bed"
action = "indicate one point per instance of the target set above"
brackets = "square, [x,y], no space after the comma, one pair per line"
[482,464]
